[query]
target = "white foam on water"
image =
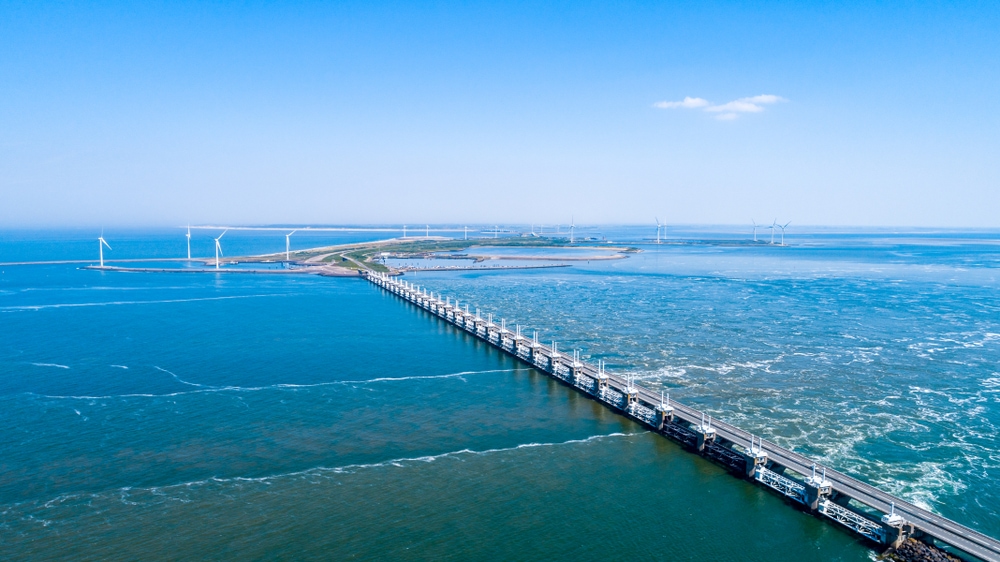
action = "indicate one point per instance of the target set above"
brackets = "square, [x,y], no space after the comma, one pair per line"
[127,494]
[992,382]
[933,480]
[178,379]
[56,365]
[426,377]
[117,303]
[204,389]
[120,366]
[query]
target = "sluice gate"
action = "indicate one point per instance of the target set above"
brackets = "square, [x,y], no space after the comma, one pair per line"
[871,513]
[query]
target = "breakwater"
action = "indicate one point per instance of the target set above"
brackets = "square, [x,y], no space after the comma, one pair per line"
[871,513]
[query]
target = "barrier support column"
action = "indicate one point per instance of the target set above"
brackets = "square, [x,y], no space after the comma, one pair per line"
[602,383]
[574,375]
[631,396]
[817,489]
[664,412]
[896,529]
[705,433]
[755,457]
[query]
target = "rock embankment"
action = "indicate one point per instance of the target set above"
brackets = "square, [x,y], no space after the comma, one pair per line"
[916,551]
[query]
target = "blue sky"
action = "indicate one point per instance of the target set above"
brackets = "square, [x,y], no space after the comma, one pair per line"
[253,112]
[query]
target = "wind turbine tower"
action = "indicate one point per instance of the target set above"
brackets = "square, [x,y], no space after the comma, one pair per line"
[572,229]
[658,226]
[404,231]
[218,248]
[101,243]
[189,242]
[773,226]
[427,232]
[783,227]
[287,243]
[754,229]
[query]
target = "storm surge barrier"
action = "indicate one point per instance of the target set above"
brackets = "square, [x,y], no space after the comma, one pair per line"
[871,513]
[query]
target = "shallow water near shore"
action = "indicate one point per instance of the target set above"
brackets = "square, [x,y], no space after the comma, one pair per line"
[165,416]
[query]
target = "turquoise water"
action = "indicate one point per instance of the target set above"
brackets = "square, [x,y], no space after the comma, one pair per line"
[171,416]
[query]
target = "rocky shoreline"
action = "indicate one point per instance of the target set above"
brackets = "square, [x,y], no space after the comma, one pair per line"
[917,551]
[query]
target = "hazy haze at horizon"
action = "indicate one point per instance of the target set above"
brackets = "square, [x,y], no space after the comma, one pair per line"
[834,114]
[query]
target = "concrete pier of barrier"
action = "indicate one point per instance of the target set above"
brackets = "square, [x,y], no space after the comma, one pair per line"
[829,494]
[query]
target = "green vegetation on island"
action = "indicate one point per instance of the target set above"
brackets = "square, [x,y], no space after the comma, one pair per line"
[368,255]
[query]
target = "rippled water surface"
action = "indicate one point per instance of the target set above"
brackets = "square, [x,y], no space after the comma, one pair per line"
[175,416]
[883,361]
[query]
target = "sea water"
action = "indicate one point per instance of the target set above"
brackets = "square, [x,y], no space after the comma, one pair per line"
[180,416]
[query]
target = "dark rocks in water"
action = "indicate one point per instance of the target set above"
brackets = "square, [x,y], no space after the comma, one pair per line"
[916,551]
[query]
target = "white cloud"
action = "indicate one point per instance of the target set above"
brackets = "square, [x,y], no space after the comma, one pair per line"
[727,111]
[764,98]
[688,103]
[746,105]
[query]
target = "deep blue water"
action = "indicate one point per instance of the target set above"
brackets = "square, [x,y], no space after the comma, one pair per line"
[175,416]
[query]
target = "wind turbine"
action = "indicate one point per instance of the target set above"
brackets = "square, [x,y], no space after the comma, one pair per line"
[754,229]
[100,245]
[782,227]
[773,226]
[287,243]
[427,233]
[658,226]
[496,231]
[466,233]
[189,242]
[404,231]
[572,227]
[218,248]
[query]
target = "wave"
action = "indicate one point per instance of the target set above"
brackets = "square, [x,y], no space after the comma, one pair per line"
[78,289]
[402,462]
[177,378]
[284,386]
[57,365]
[120,366]
[116,303]
[448,376]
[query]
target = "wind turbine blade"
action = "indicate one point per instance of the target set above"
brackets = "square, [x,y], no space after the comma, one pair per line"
[786,224]
[105,242]
[291,233]
[221,235]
